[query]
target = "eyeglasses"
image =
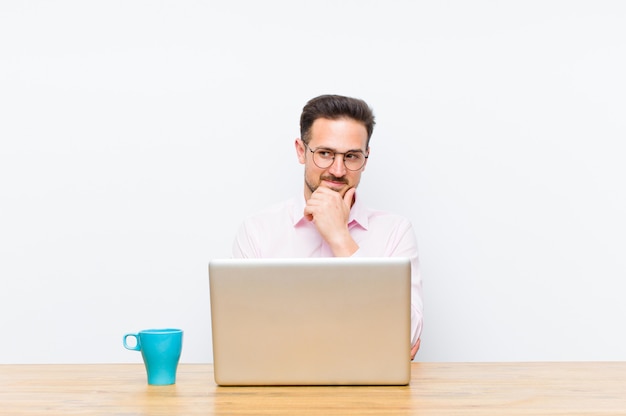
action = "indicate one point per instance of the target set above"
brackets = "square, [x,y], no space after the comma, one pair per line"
[324,158]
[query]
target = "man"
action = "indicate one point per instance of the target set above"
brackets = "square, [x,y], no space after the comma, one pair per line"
[329,219]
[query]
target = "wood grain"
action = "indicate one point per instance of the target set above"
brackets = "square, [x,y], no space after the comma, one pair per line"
[587,388]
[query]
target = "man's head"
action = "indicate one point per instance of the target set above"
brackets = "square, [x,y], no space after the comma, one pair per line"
[333,107]
[334,144]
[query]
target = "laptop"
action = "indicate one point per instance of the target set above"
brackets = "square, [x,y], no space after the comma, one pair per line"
[314,321]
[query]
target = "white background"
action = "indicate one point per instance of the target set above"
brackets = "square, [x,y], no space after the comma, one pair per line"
[136,135]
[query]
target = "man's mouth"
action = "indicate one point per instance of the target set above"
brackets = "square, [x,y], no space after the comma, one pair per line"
[334,182]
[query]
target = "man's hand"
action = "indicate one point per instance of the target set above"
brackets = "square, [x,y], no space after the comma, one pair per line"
[415,348]
[329,211]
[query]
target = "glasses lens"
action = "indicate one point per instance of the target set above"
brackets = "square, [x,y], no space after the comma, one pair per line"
[323,158]
[354,161]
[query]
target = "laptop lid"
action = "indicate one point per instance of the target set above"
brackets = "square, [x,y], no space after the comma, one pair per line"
[314,321]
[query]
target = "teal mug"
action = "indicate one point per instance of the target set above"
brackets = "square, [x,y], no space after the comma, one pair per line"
[160,349]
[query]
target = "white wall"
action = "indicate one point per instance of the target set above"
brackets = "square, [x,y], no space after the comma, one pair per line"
[137,134]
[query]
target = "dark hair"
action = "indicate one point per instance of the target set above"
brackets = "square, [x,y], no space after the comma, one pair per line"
[334,107]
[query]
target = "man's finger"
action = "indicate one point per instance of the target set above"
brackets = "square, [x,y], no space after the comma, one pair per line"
[348,197]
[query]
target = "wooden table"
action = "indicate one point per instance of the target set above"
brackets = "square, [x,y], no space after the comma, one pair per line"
[588,388]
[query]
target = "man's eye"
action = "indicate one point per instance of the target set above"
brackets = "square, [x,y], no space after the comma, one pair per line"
[353,156]
[325,154]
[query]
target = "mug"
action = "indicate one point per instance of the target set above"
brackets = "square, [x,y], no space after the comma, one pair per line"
[160,349]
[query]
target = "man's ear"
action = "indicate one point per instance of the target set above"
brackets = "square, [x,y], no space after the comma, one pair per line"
[300,150]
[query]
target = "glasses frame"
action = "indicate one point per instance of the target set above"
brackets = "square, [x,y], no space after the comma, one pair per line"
[365,156]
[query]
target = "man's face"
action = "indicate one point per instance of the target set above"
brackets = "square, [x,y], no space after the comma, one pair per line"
[341,135]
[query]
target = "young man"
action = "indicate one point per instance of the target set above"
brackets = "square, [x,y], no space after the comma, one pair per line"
[328,219]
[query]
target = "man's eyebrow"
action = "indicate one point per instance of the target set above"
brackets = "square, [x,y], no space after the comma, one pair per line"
[336,151]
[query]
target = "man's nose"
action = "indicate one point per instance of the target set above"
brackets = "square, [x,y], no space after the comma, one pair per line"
[338,168]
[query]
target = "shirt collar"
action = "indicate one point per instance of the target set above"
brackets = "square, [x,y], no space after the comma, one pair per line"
[358,213]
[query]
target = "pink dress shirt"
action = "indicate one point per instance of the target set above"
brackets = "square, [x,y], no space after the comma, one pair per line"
[282,231]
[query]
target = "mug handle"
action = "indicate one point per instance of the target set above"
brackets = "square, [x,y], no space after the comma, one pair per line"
[137,346]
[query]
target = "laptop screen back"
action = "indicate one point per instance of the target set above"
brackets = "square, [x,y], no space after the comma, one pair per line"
[317,321]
